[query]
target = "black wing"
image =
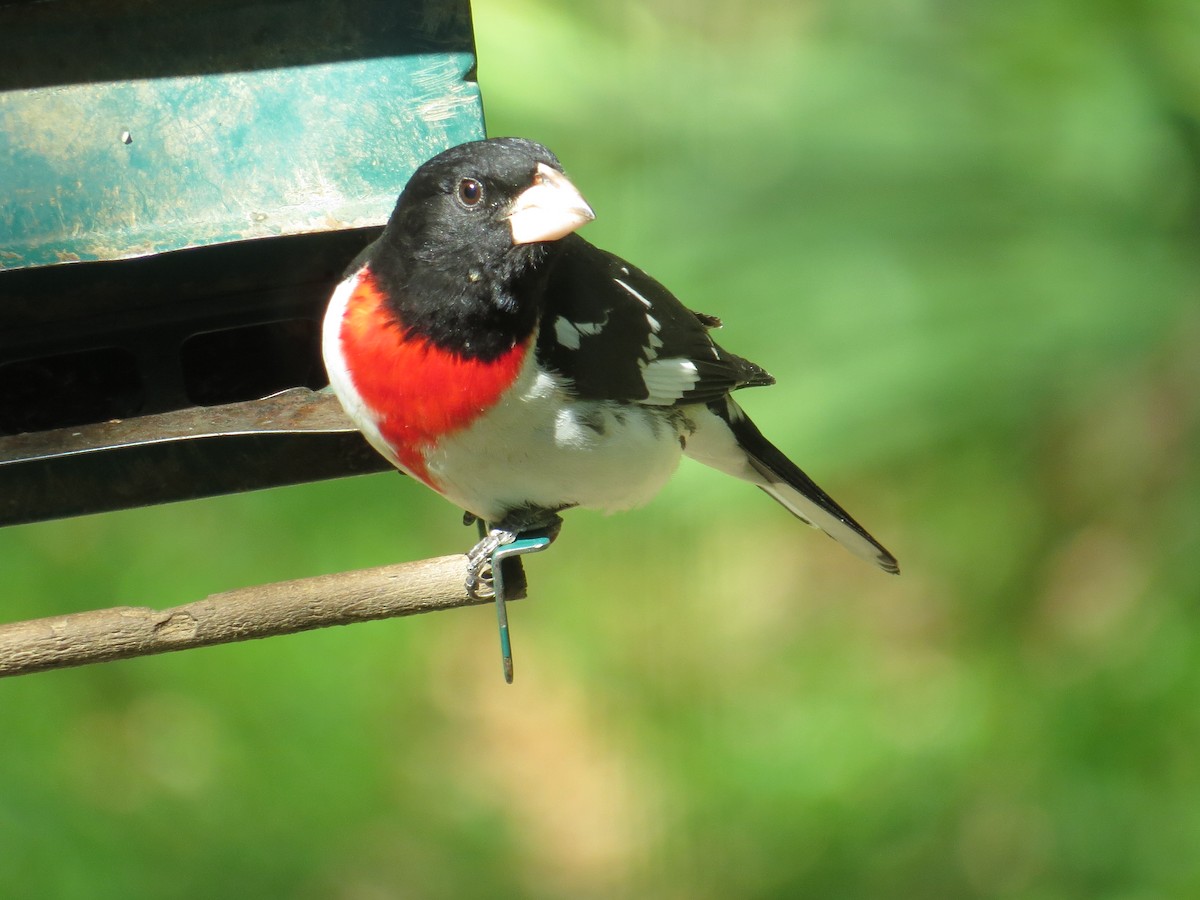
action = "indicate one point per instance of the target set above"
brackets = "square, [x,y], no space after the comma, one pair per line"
[618,334]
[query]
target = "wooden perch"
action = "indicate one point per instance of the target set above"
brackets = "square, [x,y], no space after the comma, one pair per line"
[122,632]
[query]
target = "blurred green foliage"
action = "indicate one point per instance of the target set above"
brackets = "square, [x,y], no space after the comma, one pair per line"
[966,239]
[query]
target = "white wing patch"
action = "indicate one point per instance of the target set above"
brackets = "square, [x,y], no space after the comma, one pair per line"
[653,341]
[667,380]
[568,333]
[645,302]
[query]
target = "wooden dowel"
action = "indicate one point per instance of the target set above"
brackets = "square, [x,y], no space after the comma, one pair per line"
[286,607]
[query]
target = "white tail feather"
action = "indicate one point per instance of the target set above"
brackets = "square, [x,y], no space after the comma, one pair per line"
[715,444]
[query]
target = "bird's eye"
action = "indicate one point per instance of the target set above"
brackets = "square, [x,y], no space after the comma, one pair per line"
[470,192]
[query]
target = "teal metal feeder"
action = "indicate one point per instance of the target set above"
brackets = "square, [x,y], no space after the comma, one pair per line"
[181,185]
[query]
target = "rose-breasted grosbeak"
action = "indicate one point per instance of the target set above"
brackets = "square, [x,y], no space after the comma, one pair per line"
[488,351]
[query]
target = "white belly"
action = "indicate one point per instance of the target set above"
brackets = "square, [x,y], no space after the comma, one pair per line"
[539,447]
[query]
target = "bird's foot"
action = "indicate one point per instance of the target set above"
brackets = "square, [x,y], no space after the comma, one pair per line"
[481,563]
[519,525]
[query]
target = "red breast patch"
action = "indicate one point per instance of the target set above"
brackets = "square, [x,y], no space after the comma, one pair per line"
[419,392]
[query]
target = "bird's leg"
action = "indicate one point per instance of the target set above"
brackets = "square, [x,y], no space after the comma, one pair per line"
[523,522]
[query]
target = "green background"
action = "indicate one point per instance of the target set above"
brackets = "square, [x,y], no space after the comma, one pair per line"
[965,237]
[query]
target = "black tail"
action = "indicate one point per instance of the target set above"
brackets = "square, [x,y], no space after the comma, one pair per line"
[799,494]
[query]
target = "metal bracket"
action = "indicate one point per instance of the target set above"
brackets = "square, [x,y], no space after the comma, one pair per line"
[292,437]
[519,547]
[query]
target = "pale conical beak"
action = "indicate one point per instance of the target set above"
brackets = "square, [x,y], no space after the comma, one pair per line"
[548,209]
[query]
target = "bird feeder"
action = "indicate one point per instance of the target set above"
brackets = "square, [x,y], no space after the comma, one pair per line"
[181,186]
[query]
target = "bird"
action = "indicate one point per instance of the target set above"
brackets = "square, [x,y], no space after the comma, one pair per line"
[486,349]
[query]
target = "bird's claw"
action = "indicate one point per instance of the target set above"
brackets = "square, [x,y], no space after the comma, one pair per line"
[481,563]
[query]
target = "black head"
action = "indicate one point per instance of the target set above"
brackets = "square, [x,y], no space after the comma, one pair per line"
[464,247]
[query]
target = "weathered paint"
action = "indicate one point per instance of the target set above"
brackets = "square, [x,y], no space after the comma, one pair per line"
[113,169]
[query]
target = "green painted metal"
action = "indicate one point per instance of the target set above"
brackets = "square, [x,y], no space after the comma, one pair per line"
[181,185]
[502,556]
[131,128]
